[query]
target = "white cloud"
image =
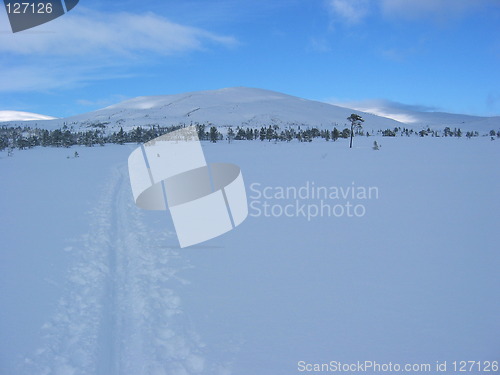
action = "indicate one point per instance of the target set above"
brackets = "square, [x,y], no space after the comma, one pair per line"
[350,11]
[42,75]
[404,113]
[94,33]
[22,116]
[355,11]
[84,45]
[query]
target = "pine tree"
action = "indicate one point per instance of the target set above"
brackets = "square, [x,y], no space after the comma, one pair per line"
[240,134]
[201,132]
[262,133]
[327,135]
[4,142]
[356,121]
[45,141]
[249,134]
[346,133]
[214,134]
[335,134]
[269,133]
[56,138]
[120,137]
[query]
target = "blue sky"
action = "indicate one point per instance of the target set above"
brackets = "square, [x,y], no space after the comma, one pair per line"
[423,54]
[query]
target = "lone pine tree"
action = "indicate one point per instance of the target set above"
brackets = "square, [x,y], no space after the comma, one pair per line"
[356,121]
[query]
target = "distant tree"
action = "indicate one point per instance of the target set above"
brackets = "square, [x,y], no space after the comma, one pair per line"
[230,134]
[307,136]
[4,142]
[262,133]
[99,138]
[346,133]
[256,134]
[201,132]
[269,133]
[136,135]
[56,138]
[249,134]
[22,143]
[388,133]
[45,141]
[214,134]
[327,135]
[356,122]
[335,134]
[121,136]
[67,138]
[240,134]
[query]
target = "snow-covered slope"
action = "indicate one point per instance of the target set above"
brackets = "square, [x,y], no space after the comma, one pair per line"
[424,118]
[22,116]
[241,106]
[231,106]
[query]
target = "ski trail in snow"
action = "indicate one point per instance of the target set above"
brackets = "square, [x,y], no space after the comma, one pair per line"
[119,313]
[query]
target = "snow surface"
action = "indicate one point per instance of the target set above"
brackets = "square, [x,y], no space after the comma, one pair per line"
[22,116]
[92,285]
[241,106]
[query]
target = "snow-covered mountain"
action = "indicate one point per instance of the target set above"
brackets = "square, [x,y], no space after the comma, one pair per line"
[230,106]
[22,116]
[241,106]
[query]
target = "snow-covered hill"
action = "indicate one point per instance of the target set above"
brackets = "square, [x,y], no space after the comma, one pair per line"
[241,106]
[424,118]
[231,106]
[22,116]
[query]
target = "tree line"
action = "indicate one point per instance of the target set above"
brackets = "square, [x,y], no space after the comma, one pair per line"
[27,137]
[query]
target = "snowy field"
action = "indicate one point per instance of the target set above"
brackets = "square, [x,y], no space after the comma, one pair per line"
[89,284]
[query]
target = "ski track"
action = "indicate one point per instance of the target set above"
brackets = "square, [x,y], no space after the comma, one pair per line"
[119,313]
